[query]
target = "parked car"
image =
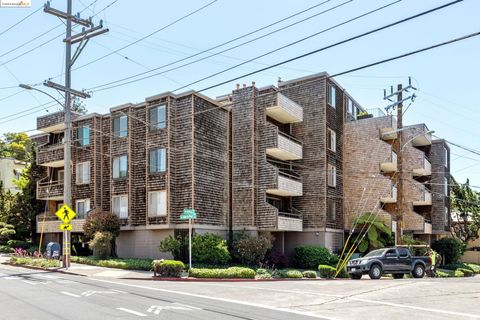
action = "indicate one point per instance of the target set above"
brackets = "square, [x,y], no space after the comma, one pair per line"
[395,261]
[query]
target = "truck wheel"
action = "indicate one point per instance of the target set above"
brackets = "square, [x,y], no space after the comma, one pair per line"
[375,272]
[418,271]
[356,276]
[398,275]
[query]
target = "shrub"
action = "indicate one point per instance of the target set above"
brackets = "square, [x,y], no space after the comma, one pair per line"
[101,222]
[310,256]
[5,249]
[168,268]
[295,274]
[263,274]
[475,268]
[466,272]
[6,230]
[43,263]
[127,264]
[101,244]
[276,259]
[210,248]
[450,248]
[172,245]
[309,274]
[252,250]
[19,244]
[229,273]
[327,272]
[287,273]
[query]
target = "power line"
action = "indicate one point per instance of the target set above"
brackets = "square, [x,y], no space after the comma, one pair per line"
[232,40]
[20,21]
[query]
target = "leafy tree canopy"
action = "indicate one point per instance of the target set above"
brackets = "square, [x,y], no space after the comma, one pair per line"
[466,207]
[15,145]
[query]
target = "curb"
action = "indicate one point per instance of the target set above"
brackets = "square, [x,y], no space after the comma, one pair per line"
[43,269]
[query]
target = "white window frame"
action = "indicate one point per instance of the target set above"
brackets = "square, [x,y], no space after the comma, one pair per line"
[121,211]
[332,176]
[82,173]
[332,140]
[86,208]
[157,203]
[331,95]
[117,167]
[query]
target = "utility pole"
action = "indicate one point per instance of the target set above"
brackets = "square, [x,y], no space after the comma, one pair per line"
[398,148]
[82,38]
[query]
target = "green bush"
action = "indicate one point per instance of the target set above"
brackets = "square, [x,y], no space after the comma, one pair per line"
[475,268]
[5,249]
[466,272]
[19,244]
[229,273]
[210,248]
[444,273]
[28,261]
[310,256]
[118,263]
[168,268]
[343,274]
[451,249]
[252,250]
[287,273]
[309,274]
[263,274]
[172,245]
[327,272]
[101,222]
[101,244]
[294,274]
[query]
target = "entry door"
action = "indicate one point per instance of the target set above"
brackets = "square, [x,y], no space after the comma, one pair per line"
[390,260]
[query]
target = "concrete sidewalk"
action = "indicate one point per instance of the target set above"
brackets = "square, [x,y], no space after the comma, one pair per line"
[94,271]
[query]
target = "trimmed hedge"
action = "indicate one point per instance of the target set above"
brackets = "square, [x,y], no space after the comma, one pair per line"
[310,256]
[168,268]
[263,274]
[28,261]
[229,273]
[327,272]
[126,264]
[466,272]
[475,268]
[309,274]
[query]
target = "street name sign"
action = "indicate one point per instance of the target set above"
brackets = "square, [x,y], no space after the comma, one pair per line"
[188,214]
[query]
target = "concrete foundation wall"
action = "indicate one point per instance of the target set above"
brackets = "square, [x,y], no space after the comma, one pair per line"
[332,240]
[142,244]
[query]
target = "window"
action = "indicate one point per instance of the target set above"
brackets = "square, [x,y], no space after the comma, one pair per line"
[83,136]
[157,204]
[350,107]
[331,95]
[82,207]
[158,160]
[332,140]
[120,206]
[120,126]
[60,175]
[83,173]
[331,210]
[402,252]
[446,186]
[445,156]
[446,217]
[119,167]
[158,117]
[394,157]
[59,205]
[332,176]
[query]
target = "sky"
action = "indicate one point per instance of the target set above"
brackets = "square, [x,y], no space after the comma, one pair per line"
[446,78]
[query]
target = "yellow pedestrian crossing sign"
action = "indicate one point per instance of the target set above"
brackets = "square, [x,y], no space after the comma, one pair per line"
[65,214]
[66,226]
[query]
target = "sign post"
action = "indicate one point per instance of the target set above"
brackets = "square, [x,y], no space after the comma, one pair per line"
[66,214]
[189,214]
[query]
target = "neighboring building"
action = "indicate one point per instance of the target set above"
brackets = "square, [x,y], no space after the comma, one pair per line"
[373,176]
[11,170]
[271,159]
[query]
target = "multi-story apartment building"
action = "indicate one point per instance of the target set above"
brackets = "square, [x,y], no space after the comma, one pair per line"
[11,170]
[270,159]
[372,180]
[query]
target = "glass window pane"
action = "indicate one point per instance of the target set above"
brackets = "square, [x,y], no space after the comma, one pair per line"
[116,167]
[162,162]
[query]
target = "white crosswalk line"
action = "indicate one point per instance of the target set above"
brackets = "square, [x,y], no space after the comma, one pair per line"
[132,312]
[70,294]
[29,282]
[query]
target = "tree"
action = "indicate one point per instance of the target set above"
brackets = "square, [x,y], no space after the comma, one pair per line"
[379,234]
[78,106]
[15,145]
[105,223]
[466,206]
[6,231]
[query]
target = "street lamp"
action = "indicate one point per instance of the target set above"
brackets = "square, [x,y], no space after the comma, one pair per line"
[418,135]
[28,87]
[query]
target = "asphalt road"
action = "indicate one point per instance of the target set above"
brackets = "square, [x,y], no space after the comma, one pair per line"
[29,294]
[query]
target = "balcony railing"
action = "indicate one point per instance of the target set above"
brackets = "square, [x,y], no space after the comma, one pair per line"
[425,200]
[51,224]
[285,110]
[422,138]
[389,166]
[287,148]
[425,170]
[51,155]
[54,122]
[47,190]
[287,186]
[392,198]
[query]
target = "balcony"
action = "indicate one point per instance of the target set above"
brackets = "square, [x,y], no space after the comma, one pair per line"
[287,148]
[47,190]
[389,130]
[424,170]
[51,155]
[51,224]
[290,221]
[389,166]
[392,198]
[285,110]
[53,122]
[287,186]
[426,200]
[424,139]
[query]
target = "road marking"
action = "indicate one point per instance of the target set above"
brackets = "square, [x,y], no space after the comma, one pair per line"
[132,312]
[70,294]
[310,314]
[89,293]
[29,282]
[12,278]
[158,309]
[398,305]
[48,276]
